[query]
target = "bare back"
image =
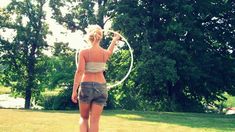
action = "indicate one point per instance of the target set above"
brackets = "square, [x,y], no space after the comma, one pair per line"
[94,54]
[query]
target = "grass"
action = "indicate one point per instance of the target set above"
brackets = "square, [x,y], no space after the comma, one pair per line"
[114,121]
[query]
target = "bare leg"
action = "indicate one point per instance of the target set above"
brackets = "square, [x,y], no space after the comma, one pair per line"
[84,116]
[96,111]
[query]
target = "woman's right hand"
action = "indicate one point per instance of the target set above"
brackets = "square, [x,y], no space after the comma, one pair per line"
[116,37]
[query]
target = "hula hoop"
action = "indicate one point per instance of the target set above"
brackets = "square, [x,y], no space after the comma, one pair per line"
[132,59]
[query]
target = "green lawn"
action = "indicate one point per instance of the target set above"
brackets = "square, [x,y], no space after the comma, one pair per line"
[12,120]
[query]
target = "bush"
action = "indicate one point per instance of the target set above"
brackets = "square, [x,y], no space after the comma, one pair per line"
[4,90]
[62,101]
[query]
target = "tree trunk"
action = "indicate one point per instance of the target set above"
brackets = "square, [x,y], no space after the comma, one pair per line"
[32,57]
[27,97]
[171,96]
[31,76]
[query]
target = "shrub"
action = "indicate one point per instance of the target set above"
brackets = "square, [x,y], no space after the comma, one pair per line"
[62,101]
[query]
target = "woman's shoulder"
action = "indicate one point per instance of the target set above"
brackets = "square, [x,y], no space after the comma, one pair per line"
[104,50]
[83,51]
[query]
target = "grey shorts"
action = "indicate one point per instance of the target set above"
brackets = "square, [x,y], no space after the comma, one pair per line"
[93,92]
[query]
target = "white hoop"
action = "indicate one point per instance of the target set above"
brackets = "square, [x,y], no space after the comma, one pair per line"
[132,59]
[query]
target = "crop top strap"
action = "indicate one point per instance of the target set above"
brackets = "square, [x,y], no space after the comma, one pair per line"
[88,55]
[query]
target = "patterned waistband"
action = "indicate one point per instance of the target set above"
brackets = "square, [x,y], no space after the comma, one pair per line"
[93,85]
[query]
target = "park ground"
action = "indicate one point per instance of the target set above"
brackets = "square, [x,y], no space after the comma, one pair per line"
[16,120]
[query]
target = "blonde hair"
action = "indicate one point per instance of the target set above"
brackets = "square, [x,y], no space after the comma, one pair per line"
[94,32]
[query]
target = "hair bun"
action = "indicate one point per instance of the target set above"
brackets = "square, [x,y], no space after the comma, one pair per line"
[94,32]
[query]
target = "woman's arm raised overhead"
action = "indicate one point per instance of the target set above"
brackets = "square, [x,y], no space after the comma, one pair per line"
[116,37]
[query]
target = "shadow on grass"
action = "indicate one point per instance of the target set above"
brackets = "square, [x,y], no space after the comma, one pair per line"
[43,111]
[193,120]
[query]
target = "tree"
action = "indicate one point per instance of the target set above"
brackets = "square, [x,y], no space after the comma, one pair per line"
[61,66]
[77,16]
[183,48]
[23,54]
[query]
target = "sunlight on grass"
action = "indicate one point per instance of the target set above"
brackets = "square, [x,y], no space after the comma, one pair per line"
[128,116]
[114,121]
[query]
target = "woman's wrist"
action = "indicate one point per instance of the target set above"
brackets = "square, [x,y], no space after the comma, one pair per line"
[75,90]
[76,84]
[114,41]
[75,87]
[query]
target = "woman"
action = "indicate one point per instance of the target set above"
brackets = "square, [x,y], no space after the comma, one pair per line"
[92,94]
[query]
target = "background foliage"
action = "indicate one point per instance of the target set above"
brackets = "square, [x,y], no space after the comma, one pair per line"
[183,51]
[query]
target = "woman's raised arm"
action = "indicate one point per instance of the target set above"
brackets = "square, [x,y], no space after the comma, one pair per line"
[116,37]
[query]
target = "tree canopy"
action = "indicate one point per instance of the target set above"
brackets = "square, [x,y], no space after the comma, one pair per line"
[183,49]
[23,54]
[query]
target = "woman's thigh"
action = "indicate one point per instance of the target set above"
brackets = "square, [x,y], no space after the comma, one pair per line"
[84,109]
[96,111]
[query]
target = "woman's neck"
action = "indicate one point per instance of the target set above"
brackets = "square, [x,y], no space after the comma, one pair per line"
[95,45]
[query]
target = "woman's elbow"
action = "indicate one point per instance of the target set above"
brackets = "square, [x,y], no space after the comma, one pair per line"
[80,72]
[109,53]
